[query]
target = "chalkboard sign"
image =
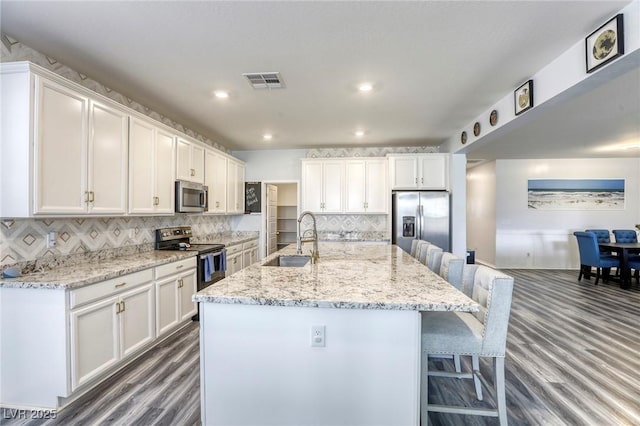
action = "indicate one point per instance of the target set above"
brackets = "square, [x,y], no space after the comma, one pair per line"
[252,200]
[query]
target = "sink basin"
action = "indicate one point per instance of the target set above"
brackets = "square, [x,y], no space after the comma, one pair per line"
[288,261]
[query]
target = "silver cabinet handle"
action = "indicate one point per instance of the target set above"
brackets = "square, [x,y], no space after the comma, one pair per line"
[121,284]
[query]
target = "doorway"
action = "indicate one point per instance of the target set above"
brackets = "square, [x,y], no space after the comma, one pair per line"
[280,225]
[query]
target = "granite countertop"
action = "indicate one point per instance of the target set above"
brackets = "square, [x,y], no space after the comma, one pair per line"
[69,277]
[352,275]
[228,239]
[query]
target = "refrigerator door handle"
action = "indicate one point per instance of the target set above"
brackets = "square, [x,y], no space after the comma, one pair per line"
[421,220]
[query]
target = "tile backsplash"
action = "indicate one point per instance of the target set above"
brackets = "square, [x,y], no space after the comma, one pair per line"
[24,240]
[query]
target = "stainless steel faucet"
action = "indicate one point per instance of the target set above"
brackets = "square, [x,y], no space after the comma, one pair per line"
[305,238]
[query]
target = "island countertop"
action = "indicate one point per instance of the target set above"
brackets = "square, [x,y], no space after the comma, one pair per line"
[348,275]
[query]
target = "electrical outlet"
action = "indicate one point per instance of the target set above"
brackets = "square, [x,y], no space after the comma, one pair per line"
[52,239]
[318,335]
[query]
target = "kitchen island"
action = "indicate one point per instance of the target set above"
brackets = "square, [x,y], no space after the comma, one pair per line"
[336,342]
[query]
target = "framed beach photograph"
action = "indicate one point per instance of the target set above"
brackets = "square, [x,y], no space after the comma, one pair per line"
[575,194]
[605,44]
[523,97]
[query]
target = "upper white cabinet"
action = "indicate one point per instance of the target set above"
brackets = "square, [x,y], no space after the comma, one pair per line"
[190,161]
[322,185]
[64,149]
[235,186]
[366,188]
[215,177]
[151,169]
[424,171]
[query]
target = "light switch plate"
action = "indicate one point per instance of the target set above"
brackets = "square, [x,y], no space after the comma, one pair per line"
[318,335]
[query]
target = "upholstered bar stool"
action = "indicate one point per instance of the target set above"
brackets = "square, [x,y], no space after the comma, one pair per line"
[421,250]
[414,247]
[479,334]
[432,258]
[451,269]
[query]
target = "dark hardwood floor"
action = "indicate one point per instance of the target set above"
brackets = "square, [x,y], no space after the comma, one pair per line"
[573,358]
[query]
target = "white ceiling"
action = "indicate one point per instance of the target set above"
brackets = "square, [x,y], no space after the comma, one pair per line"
[435,66]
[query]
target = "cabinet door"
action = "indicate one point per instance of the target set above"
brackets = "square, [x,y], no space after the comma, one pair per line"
[141,167]
[234,263]
[107,178]
[197,163]
[137,322]
[232,186]
[165,172]
[166,304]
[186,290]
[376,191]
[333,181]
[60,150]
[434,172]
[253,256]
[355,196]
[404,173]
[312,186]
[215,173]
[94,340]
[183,160]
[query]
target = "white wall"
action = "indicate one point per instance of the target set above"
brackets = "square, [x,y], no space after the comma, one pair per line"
[528,238]
[481,212]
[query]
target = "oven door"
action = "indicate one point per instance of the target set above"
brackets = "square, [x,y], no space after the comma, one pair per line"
[211,268]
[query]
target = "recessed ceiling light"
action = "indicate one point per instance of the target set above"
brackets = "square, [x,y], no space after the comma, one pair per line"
[267,136]
[365,87]
[359,133]
[221,94]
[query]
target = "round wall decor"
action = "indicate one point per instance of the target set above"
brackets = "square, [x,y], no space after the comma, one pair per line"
[463,137]
[493,117]
[476,129]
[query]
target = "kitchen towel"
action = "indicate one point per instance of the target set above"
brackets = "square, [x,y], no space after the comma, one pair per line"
[223,260]
[208,267]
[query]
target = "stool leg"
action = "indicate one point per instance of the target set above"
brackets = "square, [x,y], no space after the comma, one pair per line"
[475,362]
[424,390]
[498,367]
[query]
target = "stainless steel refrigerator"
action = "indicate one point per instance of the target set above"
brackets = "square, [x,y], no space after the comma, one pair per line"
[422,215]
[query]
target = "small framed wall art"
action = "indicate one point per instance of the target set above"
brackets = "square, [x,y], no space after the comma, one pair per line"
[605,44]
[523,97]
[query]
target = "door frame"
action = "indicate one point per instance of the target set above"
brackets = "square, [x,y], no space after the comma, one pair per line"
[263,207]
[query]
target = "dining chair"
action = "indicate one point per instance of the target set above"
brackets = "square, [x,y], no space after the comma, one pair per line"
[479,334]
[635,264]
[432,257]
[625,236]
[590,256]
[602,235]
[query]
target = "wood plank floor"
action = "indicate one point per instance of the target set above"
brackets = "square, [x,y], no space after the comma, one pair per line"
[573,358]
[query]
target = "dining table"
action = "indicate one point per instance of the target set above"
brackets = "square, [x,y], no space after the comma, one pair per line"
[623,251]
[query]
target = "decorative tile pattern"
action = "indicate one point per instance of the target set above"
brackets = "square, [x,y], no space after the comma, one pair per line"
[369,151]
[13,50]
[25,240]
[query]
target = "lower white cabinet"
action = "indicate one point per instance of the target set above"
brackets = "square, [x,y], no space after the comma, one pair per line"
[249,253]
[107,330]
[175,285]
[62,342]
[234,259]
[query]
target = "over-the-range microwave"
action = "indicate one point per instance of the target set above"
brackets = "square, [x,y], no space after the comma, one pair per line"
[191,197]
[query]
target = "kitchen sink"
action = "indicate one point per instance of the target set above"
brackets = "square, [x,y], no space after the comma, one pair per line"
[288,261]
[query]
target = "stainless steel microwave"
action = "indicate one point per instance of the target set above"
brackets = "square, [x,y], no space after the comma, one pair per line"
[191,197]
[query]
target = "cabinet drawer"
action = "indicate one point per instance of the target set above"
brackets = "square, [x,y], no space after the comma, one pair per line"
[175,267]
[236,248]
[250,245]
[108,288]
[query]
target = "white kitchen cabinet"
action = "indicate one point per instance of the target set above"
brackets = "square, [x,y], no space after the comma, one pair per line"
[65,150]
[322,185]
[249,253]
[108,325]
[235,186]
[425,171]
[215,177]
[151,169]
[234,259]
[175,284]
[190,159]
[366,186]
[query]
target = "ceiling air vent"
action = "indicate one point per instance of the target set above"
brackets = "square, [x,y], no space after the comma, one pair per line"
[265,80]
